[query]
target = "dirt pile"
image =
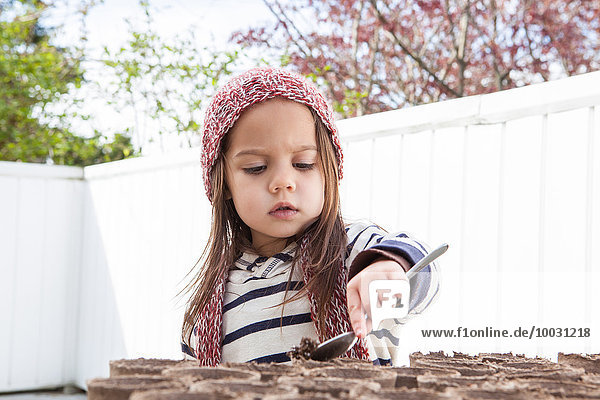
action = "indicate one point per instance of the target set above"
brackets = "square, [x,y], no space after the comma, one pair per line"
[430,376]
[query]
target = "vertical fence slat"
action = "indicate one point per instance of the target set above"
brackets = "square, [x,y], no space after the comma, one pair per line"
[462,211]
[520,224]
[74,245]
[594,250]
[414,171]
[355,205]
[53,317]
[563,275]
[589,228]
[502,161]
[83,326]
[28,283]
[173,193]
[479,270]
[385,190]
[9,210]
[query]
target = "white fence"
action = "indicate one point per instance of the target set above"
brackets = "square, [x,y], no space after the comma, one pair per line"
[40,254]
[91,259]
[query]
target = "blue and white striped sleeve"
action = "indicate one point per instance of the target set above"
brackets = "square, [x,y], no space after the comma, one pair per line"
[188,349]
[366,242]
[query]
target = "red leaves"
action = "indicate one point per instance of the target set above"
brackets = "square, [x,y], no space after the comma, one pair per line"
[390,53]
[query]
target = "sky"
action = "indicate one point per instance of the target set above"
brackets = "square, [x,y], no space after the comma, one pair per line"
[216,18]
[106,24]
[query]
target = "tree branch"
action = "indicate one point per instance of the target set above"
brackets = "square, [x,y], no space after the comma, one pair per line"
[462,44]
[411,54]
[496,66]
[374,49]
[355,26]
[285,21]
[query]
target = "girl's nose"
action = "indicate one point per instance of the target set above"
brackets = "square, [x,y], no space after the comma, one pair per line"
[282,181]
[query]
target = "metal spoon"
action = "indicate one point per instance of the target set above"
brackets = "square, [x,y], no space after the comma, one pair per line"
[338,345]
[334,347]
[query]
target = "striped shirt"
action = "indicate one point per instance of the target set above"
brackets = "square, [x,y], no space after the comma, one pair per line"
[255,328]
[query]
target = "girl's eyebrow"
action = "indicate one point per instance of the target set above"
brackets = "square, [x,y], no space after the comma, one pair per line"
[260,152]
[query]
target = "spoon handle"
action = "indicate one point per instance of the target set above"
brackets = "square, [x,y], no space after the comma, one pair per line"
[425,261]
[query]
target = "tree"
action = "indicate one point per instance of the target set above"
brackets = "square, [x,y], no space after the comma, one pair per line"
[377,55]
[164,82]
[35,76]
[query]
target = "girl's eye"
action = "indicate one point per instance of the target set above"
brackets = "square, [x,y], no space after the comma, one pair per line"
[304,166]
[255,170]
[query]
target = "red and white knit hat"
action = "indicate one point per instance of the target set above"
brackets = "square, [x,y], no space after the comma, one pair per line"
[253,87]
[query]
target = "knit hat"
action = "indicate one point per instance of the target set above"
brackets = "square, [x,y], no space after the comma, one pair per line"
[255,86]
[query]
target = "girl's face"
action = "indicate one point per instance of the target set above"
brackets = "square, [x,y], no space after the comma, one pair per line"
[273,172]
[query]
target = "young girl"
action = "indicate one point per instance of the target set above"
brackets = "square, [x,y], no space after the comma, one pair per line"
[280,264]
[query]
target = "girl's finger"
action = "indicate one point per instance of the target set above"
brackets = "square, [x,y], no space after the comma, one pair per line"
[356,312]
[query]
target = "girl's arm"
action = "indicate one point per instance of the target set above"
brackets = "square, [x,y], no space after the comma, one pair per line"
[372,254]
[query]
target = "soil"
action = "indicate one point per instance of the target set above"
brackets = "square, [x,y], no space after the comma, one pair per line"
[304,351]
[429,376]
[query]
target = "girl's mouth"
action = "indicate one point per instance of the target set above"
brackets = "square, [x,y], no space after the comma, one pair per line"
[283,211]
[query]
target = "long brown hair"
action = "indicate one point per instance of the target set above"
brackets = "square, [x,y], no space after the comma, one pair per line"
[230,236]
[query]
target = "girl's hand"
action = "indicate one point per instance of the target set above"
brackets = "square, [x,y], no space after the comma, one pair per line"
[358,292]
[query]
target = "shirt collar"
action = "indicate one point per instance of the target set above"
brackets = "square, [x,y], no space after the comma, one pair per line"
[261,265]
